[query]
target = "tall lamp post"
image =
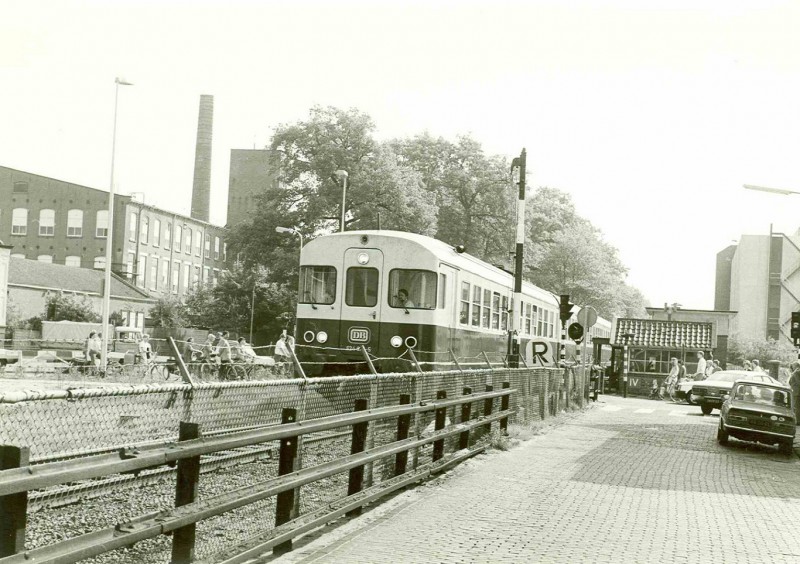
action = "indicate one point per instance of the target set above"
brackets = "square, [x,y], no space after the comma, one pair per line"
[626,362]
[109,234]
[340,177]
[291,230]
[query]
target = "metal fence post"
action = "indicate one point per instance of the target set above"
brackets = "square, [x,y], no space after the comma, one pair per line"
[284,506]
[358,442]
[466,414]
[403,424]
[504,402]
[14,507]
[188,475]
[441,417]
[542,398]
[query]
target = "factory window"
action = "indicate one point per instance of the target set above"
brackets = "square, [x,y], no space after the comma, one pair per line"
[20,187]
[196,277]
[176,273]
[153,273]
[208,246]
[19,221]
[164,275]
[206,275]
[156,232]
[73,261]
[216,248]
[178,238]
[17,255]
[167,235]
[141,271]
[130,266]
[99,263]
[132,227]
[47,223]
[186,269]
[45,258]
[145,234]
[75,223]
[198,242]
[187,242]
[101,224]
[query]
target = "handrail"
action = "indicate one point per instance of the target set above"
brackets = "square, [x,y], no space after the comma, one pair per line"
[27,478]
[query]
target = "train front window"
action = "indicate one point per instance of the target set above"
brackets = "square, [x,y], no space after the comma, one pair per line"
[412,289]
[317,285]
[362,287]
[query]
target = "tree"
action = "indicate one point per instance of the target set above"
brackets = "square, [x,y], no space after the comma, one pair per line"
[66,307]
[168,312]
[763,350]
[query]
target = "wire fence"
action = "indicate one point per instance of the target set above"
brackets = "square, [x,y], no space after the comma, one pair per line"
[74,423]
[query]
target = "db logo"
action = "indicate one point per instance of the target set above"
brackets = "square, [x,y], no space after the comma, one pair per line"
[358,335]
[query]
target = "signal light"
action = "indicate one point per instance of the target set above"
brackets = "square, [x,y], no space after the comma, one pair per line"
[795,332]
[565,308]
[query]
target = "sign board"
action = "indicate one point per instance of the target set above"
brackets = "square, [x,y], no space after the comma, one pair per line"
[587,316]
[575,332]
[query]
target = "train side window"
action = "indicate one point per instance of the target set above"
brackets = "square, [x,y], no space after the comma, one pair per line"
[420,288]
[317,285]
[495,310]
[504,315]
[528,318]
[463,314]
[477,292]
[362,287]
[486,312]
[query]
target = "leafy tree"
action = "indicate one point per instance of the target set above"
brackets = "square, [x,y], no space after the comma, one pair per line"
[763,350]
[66,307]
[168,312]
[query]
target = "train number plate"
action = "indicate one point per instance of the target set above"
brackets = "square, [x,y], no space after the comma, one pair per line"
[358,335]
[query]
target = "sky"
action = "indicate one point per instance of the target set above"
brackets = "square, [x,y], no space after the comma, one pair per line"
[652,115]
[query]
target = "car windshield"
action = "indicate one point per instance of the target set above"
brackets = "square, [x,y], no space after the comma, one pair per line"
[726,377]
[763,395]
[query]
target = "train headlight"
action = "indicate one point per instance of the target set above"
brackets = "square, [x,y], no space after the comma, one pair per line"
[308,336]
[396,341]
[322,337]
[362,258]
[411,342]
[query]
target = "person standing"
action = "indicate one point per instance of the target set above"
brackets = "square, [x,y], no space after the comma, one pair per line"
[224,349]
[672,378]
[794,384]
[700,374]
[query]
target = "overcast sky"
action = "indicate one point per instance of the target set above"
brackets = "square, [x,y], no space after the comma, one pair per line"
[652,114]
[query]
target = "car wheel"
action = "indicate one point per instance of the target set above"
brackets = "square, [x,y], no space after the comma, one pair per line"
[706,409]
[689,399]
[786,447]
[722,434]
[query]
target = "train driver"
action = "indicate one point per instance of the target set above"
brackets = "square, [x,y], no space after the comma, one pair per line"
[401,300]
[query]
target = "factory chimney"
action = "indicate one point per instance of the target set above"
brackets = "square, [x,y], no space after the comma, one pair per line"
[201,189]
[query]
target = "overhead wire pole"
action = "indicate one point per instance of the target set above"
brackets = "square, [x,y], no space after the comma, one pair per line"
[516,301]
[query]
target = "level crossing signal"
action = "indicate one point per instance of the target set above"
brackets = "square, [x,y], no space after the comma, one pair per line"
[565,308]
[575,332]
[795,334]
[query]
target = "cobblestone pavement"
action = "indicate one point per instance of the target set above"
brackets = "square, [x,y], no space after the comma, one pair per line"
[630,480]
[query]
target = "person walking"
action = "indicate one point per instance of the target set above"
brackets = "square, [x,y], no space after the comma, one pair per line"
[224,349]
[700,374]
[794,384]
[671,382]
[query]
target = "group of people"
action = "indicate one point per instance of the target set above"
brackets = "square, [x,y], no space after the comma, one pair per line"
[218,348]
[677,373]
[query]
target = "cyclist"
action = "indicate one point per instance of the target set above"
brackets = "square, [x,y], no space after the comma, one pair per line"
[224,349]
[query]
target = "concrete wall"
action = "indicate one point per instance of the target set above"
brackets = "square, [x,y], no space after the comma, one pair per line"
[749,286]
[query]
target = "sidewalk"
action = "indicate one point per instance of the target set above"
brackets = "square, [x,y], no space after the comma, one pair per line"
[630,480]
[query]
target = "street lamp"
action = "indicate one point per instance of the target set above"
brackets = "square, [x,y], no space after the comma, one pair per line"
[109,234]
[340,177]
[781,191]
[291,230]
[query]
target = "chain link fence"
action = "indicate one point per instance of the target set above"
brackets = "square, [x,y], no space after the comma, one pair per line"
[79,422]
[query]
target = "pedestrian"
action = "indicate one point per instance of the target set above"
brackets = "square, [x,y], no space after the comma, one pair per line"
[794,384]
[245,350]
[747,366]
[224,350]
[700,374]
[282,354]
[672,379]
[91,349]
[190,351]
[757,366]
[208,350]
[145,350]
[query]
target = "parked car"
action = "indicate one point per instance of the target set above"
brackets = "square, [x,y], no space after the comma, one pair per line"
[708,394]
[758,411]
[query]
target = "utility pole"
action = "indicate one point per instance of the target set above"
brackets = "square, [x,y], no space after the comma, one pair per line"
[518,166]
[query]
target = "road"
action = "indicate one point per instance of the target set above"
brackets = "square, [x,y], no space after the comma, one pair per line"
[629,480]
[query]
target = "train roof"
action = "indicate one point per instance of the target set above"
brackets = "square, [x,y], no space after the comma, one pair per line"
[447,253]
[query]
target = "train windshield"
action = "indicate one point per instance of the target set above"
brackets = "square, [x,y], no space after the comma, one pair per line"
[362,287]
[412,289]
[317,284]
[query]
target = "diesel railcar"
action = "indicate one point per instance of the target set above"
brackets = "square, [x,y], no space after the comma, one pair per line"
[389,291]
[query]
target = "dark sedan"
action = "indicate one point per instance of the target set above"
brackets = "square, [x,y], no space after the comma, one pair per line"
[759,412]
[708,393]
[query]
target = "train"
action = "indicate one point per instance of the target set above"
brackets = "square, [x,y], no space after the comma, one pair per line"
[408,299]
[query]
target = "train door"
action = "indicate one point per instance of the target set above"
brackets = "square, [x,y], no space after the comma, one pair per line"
[363,299]
[448,303]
